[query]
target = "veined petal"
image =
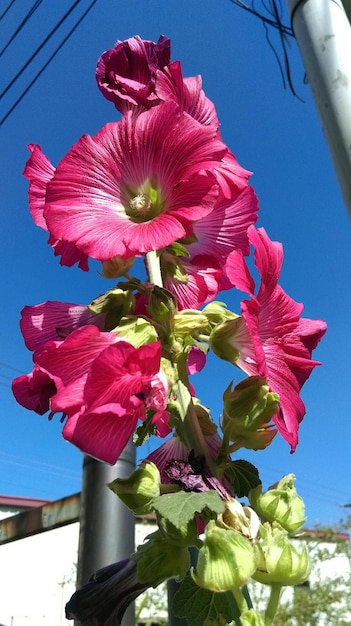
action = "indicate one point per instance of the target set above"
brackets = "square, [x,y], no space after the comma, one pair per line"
[102,432]
[92,199]
[54,320]
[120,373]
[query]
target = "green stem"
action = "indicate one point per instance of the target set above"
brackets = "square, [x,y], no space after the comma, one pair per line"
[190,425]
[272,604]
[191,430]
[154,268]
[239,599]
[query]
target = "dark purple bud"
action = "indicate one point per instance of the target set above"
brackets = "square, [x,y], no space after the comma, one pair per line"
[103,600]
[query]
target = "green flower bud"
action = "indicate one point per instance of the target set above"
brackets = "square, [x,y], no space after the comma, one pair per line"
[137,330]
[251,618]
[188,322]
[162,304]
[115,304]
[220,339]
[227,559]
[117,266]
[280,503]
[243,519]
[157,560]
[279,560]
[247,410]
[217,312]
[139,490]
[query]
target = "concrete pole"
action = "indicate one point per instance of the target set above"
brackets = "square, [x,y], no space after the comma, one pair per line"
[323,34]
[106,525]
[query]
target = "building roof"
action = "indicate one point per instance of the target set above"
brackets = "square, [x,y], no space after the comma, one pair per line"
[20,502]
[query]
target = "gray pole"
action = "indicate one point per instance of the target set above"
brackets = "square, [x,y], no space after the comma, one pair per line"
[106,525]
[323,33]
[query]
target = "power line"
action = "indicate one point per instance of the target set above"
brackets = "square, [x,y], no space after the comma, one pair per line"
[31,12]
[7,9]
[52,32]
[47,63]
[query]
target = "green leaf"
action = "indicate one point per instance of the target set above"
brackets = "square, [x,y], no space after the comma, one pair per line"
[243,477]
[201,607]
[179,508]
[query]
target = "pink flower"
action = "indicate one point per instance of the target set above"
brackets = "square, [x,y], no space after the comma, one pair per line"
[53,320]
[193,268]
[102,384]
[138,185]
[272,338]
[33,391]
[39,172]
[126,74]
[187,92]
[122,385]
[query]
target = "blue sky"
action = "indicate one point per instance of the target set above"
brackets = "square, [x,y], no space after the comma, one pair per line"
[271,132]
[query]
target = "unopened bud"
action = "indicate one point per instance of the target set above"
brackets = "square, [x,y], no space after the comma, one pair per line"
[221,339]
[280,503]
[139,490]
[279,560]
[227,559]
[117,266]
[157,560]
[251,618]
[162,304]
[248,409]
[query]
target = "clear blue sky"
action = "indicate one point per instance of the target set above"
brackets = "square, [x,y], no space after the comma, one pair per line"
[272,133]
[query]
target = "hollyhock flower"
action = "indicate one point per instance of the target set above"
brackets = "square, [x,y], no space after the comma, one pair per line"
[105,390]
[102,384]
[103,600]
[192,269]
[126,74]
[273,340]
[193,282]
[54,320]
[187,92]
[138,185]
[39,172]
[33,391]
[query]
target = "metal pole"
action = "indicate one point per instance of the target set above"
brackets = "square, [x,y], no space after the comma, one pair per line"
[323,33]
[106,525]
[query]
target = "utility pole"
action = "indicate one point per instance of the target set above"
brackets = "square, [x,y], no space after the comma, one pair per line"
[323,33]
[106,525]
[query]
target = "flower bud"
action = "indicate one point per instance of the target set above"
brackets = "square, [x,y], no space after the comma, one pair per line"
[117,266]
[115,304]
[217,312]
[251,618]
[137,330]
[162,304]
[243,519]
[188,322]
[157,560]
[139,490]
[279,560]
[220,340]
[227,559]
[280,503]
[247,410]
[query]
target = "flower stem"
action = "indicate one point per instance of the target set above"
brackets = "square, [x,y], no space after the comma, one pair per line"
[272,604]
[154,268]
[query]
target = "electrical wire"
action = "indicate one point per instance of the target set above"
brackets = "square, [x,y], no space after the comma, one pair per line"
[46,64]
[43,43]
[7,9]
[31,12]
